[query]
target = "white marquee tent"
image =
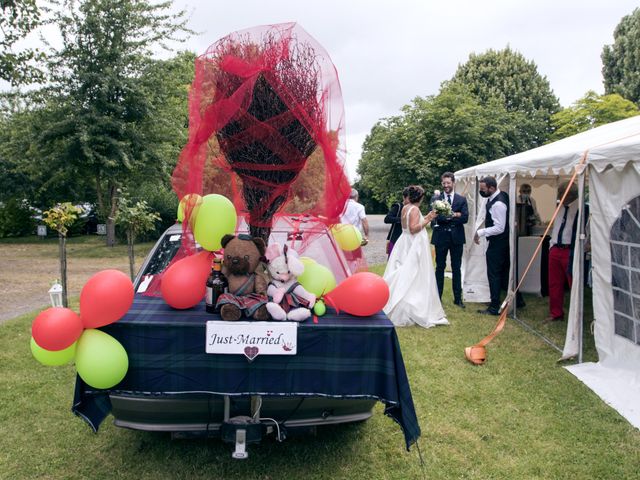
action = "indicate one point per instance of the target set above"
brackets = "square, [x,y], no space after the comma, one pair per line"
[610,159]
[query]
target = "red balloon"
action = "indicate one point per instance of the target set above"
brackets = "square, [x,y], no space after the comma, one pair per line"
[362,294]
[184,283]
[56,328]
[105,298]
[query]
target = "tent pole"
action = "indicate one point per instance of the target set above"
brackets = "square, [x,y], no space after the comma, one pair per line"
[579,254]
[513,238]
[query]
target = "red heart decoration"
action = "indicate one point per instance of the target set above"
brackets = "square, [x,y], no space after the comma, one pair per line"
[251,352]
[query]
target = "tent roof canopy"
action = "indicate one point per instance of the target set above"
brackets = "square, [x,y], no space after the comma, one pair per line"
[611,145]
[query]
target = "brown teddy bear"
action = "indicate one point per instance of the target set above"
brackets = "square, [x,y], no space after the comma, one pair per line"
[247,288]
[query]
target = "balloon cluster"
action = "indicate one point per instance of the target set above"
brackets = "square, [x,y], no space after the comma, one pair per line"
[210,218]
[362,294]
[59,335]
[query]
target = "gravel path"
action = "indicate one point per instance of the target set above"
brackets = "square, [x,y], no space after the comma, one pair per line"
[375,250]
[27,271]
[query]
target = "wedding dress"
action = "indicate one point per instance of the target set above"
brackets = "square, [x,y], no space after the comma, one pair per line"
[413,292]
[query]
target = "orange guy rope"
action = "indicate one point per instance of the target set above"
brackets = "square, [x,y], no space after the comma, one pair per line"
[477,353]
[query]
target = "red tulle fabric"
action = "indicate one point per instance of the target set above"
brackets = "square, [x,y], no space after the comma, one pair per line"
[266,130]
[266,126]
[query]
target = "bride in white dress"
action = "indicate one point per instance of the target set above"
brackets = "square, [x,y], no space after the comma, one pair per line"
[413,292]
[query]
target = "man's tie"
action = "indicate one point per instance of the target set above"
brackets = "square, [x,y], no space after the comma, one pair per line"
[449,199]
[564,222]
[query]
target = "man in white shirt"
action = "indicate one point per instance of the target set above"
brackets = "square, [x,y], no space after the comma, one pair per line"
[561,244]
[497,233]
[355,215]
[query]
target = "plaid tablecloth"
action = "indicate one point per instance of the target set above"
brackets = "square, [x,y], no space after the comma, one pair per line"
[339,356]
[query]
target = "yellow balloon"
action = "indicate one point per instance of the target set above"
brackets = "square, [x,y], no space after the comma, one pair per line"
[216,218]
[307,261]
[347,236]
[193,201]
[317,279]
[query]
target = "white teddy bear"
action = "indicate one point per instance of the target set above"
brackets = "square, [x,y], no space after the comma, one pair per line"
[288,299]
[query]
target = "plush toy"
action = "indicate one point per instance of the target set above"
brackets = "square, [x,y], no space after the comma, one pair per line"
[288,299]
[247,289]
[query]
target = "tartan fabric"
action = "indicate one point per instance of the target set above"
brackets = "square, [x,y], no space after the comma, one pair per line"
[247,303]
[291,300]
[340,356]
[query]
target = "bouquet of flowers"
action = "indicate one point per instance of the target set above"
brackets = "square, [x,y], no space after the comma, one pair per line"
[442,207]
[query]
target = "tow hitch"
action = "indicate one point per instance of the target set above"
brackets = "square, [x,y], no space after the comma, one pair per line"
[242,430]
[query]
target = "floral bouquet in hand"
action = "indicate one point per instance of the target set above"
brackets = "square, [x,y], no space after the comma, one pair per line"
[442,207]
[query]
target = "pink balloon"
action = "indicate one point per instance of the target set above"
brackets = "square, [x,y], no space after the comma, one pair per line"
[362,294]
[105,298]
[184,283]
[56,328]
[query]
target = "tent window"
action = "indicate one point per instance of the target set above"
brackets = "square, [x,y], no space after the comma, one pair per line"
[620,278]
[625,271]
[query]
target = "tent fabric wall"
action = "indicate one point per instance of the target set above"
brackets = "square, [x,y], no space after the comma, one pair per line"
[612,156]
[616,377]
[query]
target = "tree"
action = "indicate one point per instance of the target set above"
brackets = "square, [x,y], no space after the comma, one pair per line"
[136,219]
[621,61]
[447,132]
[15,218]
[98,75]
[370,204]
[507,76]
[591,111]
[30,168]
[162,199]
[18,18]
[34,161]
[60,218]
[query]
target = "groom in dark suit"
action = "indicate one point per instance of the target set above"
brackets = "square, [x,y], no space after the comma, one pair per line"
[448,236]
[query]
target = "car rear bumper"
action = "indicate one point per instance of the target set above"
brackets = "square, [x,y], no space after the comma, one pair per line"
[201,412]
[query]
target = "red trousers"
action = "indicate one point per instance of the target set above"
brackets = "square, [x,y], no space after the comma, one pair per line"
[558,277]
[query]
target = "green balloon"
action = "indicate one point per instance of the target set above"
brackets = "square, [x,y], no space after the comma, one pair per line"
[53,358]
[101,360]
[216,217]
[317,279]
[319,308]
[306,261]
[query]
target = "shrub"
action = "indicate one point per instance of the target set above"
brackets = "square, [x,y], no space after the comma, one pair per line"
[160,199]
[16,219]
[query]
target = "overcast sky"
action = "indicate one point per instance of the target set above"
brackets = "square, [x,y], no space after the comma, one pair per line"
[389,52]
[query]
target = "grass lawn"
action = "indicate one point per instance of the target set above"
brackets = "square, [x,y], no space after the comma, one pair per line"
[520,416]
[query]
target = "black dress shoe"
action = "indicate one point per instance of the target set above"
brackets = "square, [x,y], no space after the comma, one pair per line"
[488,311]
[459,303]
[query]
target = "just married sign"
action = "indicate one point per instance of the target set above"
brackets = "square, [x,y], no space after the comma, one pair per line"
[252,338]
